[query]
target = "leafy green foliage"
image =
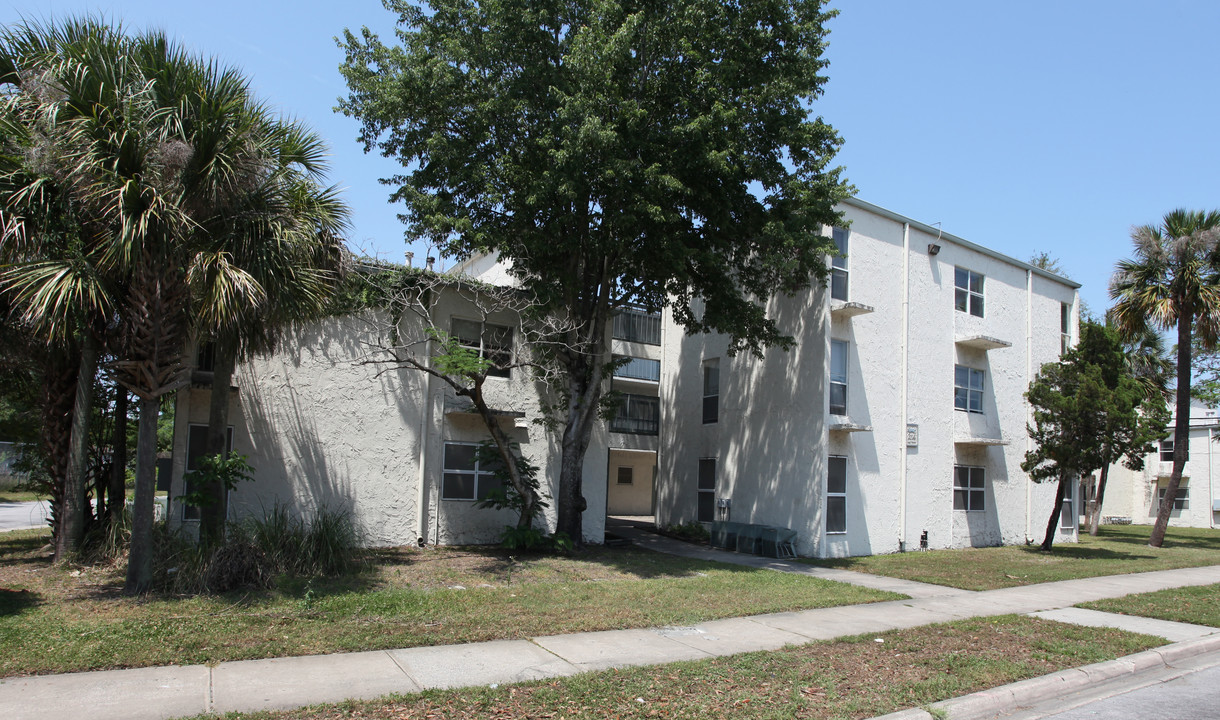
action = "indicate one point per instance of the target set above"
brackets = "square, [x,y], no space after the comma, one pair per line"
[611,154]
[1089,411]
[225,470]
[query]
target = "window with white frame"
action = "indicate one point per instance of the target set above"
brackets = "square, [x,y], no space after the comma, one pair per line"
[838,265]
[1181,500]
[711,391]
[492,342]
[626,476]
[969,491]
[967,389]
[707,489]
[968,291]
[836,495]
[464,477]
[1167,451]
[1065,328]
[838,377]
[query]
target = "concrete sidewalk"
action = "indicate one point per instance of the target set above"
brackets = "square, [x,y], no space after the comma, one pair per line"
[291,682]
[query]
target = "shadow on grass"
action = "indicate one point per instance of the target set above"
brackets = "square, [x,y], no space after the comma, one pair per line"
[14,602]
[1076,552]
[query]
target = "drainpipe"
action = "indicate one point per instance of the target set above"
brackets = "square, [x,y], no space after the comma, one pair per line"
[425,414]
[902,426]
[1029,377]
[1210,483]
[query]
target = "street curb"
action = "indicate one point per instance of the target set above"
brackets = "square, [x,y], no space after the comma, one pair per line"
[986,703]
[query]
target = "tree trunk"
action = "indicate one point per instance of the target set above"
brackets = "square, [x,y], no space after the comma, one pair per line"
[1181,428]
[212,514]
[585,395]
[1099,497]
[139,561]
[117,490]
[72,516]
[1053,524]
[59,381]
[505,449]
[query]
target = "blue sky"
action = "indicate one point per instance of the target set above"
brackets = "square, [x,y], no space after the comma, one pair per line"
[1025,127]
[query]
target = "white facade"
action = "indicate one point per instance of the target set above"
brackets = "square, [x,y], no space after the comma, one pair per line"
[900,440]
[1135,495]
[875,476]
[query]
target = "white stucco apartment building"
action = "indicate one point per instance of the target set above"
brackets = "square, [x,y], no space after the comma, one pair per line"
[1136,495]
[898,421]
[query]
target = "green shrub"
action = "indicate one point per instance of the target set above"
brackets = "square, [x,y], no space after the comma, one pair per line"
[693,531]
[533,539]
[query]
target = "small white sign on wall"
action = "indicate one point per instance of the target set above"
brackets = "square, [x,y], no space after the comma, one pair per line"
[912,435]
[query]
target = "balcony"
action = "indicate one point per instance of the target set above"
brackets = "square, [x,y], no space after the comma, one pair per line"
[637,326]
[637,415]
[641,369]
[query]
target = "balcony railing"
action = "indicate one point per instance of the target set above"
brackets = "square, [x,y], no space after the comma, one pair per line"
[637,415]
[639,369]
[638,326]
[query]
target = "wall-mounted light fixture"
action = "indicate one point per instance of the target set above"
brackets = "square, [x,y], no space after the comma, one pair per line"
[933,248]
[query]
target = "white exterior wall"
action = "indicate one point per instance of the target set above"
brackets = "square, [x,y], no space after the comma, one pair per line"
[321,429]
[775,431]
[1133,493]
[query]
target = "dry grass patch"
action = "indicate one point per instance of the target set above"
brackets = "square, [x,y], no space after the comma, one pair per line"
[852,678]
[61,619]
[1117,550]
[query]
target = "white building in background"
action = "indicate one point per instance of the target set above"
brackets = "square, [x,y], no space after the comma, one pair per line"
[1136,496]
[898,420]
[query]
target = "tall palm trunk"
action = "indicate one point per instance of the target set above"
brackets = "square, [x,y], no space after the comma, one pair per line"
[212,514]
[59,381]
[139,562]
[117,488]
[72,515]
[1099,496]
[1181,428]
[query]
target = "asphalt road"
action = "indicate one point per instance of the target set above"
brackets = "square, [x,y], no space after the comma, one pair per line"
[1191,696]
[23,514]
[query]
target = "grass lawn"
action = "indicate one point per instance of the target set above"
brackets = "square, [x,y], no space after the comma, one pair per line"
[1118,549]
[16,496]
[1198,605]
[852,678]
[61,619]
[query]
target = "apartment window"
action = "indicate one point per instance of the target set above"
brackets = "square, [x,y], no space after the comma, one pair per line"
[637,415]
[1181,501]
[707,489]
[637,326]
[638,369]
[1167,451]
[1065,328]
[838,377]
[464,478]
[969,291]
[1067,521]
[838,265]
[492,342]
[711,390]
[836,495]
[625,476]
[967,488]
[197,447]
[967,389]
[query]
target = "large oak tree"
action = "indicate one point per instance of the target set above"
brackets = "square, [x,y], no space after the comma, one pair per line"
[645,152]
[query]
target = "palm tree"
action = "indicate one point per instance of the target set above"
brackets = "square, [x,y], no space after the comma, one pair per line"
[50,249]
[1172,281]
[163,149]
[287,236]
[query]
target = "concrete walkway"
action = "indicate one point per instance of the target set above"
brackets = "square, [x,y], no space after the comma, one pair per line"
[173,691]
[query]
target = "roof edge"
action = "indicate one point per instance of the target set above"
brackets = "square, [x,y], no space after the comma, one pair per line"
[897,217]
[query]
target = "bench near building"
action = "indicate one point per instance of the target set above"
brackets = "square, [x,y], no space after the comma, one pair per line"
[897,422]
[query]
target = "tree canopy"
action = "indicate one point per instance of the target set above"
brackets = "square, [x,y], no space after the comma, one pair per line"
[649,153]
[1089,412]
